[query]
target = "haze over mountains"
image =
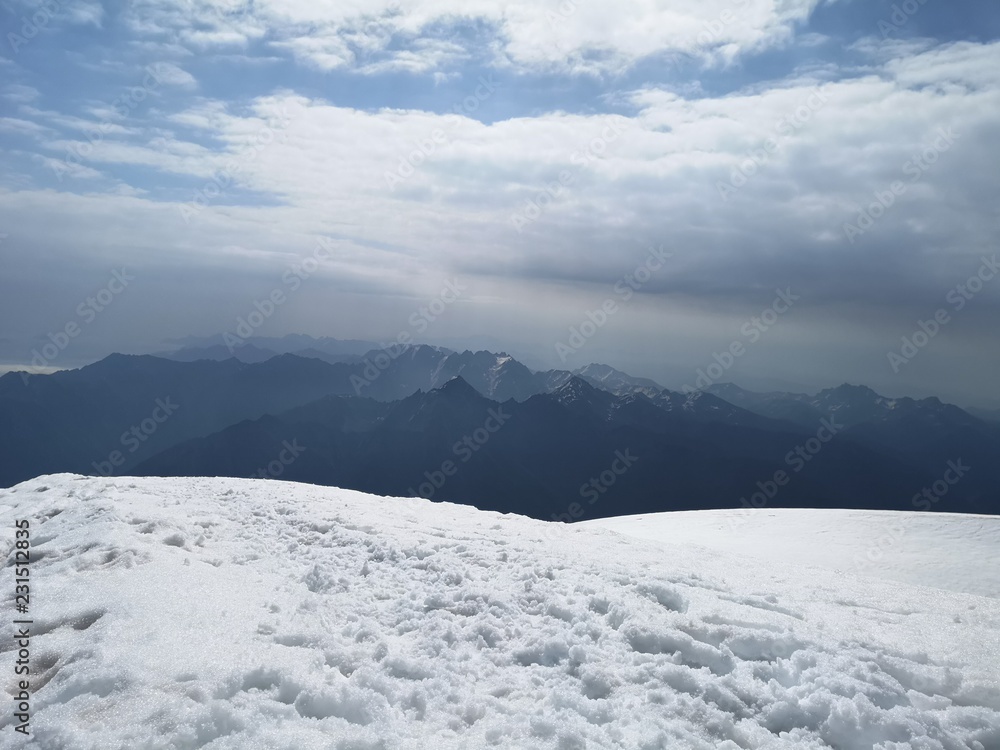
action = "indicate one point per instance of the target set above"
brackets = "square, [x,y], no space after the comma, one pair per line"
[482,428]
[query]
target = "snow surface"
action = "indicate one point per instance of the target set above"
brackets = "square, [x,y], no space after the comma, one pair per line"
[227,613]
[951,551]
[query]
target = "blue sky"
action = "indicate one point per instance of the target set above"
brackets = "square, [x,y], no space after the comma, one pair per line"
[534,150]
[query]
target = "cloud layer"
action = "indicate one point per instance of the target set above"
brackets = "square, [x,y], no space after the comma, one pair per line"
[855,171]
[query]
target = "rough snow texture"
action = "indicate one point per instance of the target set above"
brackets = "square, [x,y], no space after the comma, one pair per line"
[225,613]
[952,551]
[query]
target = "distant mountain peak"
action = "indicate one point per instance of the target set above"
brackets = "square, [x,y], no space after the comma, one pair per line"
[615,381]
[458,387]
[853,391]
[578,392]
[481,355]
[574,388]
[596,368]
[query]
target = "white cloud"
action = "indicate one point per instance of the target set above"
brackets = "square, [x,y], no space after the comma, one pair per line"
[80,124]
[19,94]
[324,53]
[128,191]
[565,35]
[22,127]
[960,64]
[427,55]
[201,24]
[68,168]
[323,171]
[333,160]
[85,13]
[327,166]
[205,115]
[174,75]
[165,154]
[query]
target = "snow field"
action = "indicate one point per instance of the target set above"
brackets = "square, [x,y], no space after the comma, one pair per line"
[951,551]
[225,613]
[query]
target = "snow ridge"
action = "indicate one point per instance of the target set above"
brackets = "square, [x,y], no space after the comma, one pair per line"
[225,613]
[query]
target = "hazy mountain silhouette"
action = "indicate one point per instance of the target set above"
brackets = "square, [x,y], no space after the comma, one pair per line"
[392,419]
[924,434]
[542,454]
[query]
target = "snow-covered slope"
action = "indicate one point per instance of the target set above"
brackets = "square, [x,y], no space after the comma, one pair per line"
[952,551]
[224,613]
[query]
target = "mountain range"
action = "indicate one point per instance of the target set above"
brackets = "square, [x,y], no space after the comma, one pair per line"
[481,428]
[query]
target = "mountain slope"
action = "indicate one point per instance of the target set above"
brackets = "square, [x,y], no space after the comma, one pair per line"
[148,415]
[616,381]
[924,434]
[134,406]
[80,420]
[247,353]
[578,452]
[224,614]
[850,404]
